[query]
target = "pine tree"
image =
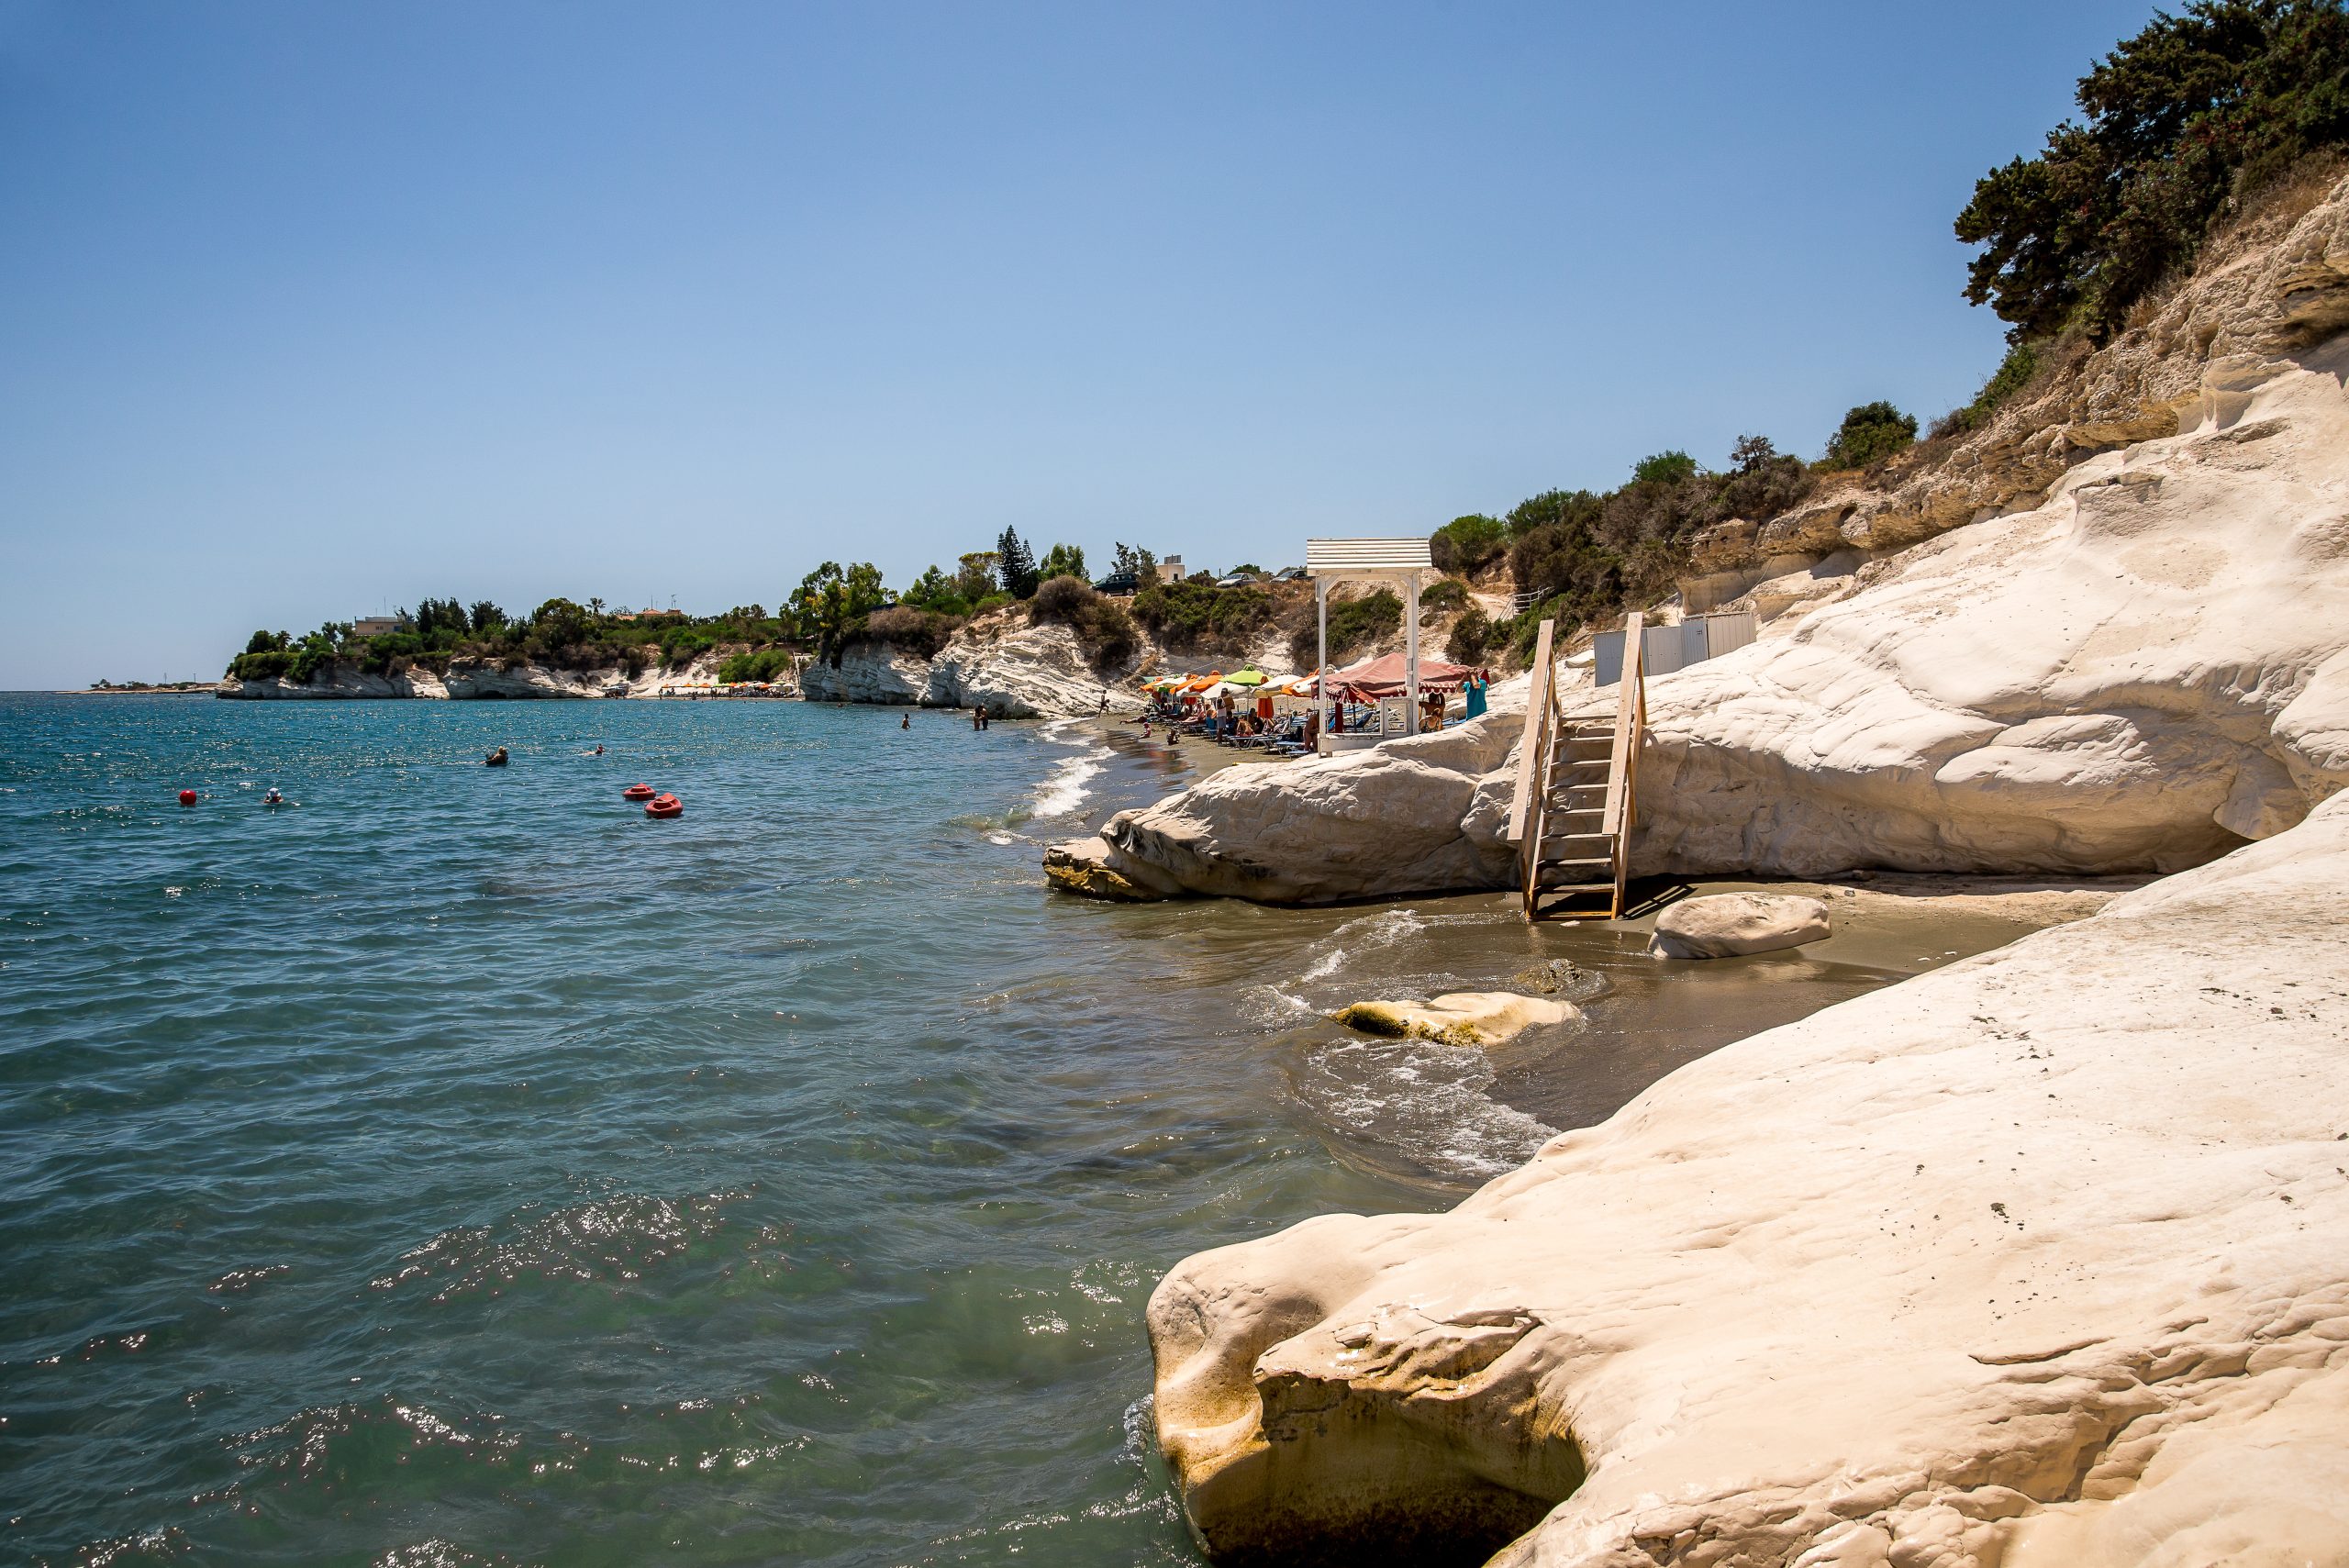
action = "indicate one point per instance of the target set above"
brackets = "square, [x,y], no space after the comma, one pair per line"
[1015,565]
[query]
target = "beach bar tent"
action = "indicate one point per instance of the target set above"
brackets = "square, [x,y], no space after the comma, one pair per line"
[1403,563]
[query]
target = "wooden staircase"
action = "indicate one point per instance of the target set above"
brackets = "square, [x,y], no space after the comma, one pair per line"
[1574,806]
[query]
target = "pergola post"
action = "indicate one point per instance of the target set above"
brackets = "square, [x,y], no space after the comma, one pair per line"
[1398,560]
[1321,652]
[1411,654]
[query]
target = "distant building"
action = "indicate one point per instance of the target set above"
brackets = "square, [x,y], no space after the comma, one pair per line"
[650,615]
[376,626]
[1171,569]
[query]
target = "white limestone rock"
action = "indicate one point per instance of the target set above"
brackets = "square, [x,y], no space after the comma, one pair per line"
[1458,1017]
[1015,671]
[867,673]
[1358,824]
[2107,682]
[2039,1260]
[1724,925]
[1033,671]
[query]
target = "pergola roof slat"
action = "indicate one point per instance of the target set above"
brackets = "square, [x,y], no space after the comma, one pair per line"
[1325,557]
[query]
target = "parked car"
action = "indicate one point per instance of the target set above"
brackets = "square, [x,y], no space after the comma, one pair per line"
[1238,579]
[1289,574]
[1119,583]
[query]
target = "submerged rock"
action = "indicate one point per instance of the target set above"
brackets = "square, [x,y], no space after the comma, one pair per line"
[1461,1018]
[1723,925]
[2039,1258]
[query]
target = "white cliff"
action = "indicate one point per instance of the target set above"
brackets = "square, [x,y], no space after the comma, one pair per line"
[1013,669]
[2142,668]
[2034,1261]
[470,678]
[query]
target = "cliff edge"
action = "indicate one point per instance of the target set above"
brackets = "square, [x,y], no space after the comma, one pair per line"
[2139,663]
[2033,1261]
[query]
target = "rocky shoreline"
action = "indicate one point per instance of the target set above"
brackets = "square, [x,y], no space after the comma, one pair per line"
[466,680]
[2038,1260]
[2021,1262]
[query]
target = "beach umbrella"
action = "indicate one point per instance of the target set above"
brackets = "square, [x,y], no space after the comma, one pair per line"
[1249,677]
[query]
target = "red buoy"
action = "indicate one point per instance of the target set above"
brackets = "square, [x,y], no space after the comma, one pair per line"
[665,805]
[637,792]
[187,797]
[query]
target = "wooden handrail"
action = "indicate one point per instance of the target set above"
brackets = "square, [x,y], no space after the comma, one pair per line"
[1623,758]
[1528,759]
[1627,704]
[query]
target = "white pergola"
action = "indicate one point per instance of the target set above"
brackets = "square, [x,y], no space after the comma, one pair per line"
[1402,562]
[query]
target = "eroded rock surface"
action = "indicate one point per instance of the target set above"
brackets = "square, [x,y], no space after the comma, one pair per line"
[1023,671]
[2040,1259]
[1724,925]
[2135,659]
[1460,1017]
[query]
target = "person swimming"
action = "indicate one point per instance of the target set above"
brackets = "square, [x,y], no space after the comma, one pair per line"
[906,721]
[495,759]
[273,797]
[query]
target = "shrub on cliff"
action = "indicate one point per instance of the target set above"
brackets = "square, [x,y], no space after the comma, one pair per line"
[1869,434]
[2183,122]
[1444,594]
[1465,544]
[1472,636]
[1354,625]
[758,664]
[908,630]
[1585,556]
[1104,630]
[2014,373]
[1195,616]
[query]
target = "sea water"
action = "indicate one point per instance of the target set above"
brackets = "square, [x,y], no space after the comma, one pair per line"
[455,1166]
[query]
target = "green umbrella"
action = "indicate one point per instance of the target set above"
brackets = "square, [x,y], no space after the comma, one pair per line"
[1249,677]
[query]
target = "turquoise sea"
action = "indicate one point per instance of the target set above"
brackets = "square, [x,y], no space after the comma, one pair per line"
[455,1166]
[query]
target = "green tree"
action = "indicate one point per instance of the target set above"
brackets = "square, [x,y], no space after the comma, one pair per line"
[1015,565]
[1062,561]
[485,617]
[828,601]
[1466,543]
[2182,121]
[1664,468]
[1869,433]
[935,590]
[976,578]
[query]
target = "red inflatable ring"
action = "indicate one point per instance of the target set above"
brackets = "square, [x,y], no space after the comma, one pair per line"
[637,792]
[187,797]
[665,805]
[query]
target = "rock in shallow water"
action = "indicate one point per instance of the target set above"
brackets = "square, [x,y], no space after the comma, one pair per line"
[1462,1018]
[1723,925]
[2042,1259]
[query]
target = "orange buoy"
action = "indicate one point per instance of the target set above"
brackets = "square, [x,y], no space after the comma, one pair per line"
[637,792]
[187,797]
[665,805]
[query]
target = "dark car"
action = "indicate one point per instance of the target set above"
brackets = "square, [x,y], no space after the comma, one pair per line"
[1289,574]
[1119,583]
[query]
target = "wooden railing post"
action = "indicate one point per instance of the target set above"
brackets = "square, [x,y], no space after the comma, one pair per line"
[1630,716]
[1527,811]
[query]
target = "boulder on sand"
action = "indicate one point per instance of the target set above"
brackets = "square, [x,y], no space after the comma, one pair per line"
[1462,1018]
[1723,925]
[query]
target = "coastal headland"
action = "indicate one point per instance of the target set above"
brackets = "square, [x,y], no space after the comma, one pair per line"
[2041,1259]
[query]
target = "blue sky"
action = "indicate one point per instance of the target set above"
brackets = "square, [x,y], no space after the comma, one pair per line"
[309,311]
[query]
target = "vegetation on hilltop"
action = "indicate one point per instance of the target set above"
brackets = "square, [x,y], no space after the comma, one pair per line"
[2183,122]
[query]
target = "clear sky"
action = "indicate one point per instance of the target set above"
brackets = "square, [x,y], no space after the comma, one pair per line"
[307,311]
